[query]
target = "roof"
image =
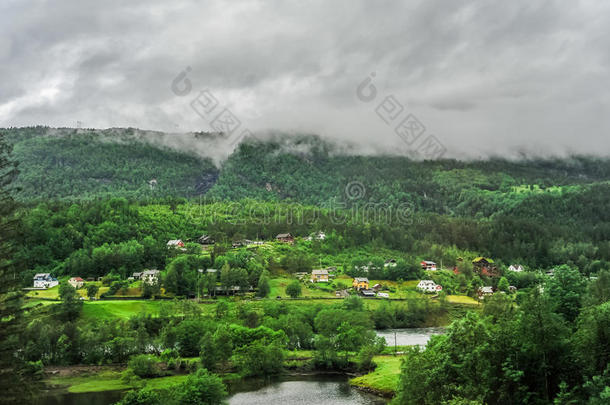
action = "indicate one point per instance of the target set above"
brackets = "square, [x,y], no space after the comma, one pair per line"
[428,262]
[320,271]
[77,279]
[42,275]
[368,292]
[426,282]
[486,290]
[150,272]
[284,235]
[174,242]
[361,279]
[480,259]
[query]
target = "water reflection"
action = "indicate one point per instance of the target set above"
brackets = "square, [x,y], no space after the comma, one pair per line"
[85,398]
[312,390]
[409,336]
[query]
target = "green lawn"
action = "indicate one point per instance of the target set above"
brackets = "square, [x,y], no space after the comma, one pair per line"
[110,381]
[278,288]
[119,309]
[104,381]
[385,377]
[462,299]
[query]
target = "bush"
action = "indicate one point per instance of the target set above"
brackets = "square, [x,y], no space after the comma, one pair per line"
[143,365]
[365,358]
[34,369]
[294,289]
[169,354]
[193,365]
[145,396]
[201,388]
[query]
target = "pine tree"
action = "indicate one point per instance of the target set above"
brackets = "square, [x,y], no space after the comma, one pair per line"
[10,296]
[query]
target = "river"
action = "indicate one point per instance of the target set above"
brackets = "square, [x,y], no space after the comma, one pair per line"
[310,390]
[286,390]
[306,390]
[409,336]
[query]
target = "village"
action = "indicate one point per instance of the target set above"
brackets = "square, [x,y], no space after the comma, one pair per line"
[328,282]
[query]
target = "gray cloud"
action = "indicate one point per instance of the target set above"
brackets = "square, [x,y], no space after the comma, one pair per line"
[484,77]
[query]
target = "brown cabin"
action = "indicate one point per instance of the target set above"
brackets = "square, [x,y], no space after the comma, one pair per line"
[284,237]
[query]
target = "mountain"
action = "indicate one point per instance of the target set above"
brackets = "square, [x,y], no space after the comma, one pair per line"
[71,164]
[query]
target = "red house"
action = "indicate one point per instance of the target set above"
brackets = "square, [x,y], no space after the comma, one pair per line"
[485,267]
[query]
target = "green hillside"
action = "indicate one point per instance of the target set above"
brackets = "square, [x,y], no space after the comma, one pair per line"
[66,164]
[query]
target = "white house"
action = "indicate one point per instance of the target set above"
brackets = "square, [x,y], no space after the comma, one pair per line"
[428,286]
[390,263]
[175,243]
[150,276]
[485,291]
[516,268]
[76,282]
[44,280]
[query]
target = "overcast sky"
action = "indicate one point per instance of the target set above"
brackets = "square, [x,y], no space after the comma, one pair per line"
[482,77]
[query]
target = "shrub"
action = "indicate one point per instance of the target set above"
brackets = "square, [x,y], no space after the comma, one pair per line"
[294,289]
[169,354]
[193,365]
[201,388]
[143,365]
[145,396]
[34,369]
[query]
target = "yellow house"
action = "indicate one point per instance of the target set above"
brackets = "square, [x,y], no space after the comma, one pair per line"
[361,283]
[319,276]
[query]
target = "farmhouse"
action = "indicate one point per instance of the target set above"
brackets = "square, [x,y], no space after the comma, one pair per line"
[319,276]
[150,276]
[428,265]
[175,243]
[76,282]
[485,291]
[367,293]
[517,268]
[428,286]
[485,267]
[44,280]
[284,237]
[361,283]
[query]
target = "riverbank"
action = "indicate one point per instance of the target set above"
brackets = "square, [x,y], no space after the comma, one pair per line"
[383,381]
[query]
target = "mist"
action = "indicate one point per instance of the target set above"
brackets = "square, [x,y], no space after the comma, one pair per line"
[477,79]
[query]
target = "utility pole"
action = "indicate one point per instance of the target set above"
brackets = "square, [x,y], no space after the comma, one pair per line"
[395,343]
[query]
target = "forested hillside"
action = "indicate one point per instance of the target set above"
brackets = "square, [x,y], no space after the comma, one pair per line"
[84,165]
[537,212]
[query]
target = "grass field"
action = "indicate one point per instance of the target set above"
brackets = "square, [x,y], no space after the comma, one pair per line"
[119,309]
[104,381]
[110,381]
[385,377]
[462,299]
